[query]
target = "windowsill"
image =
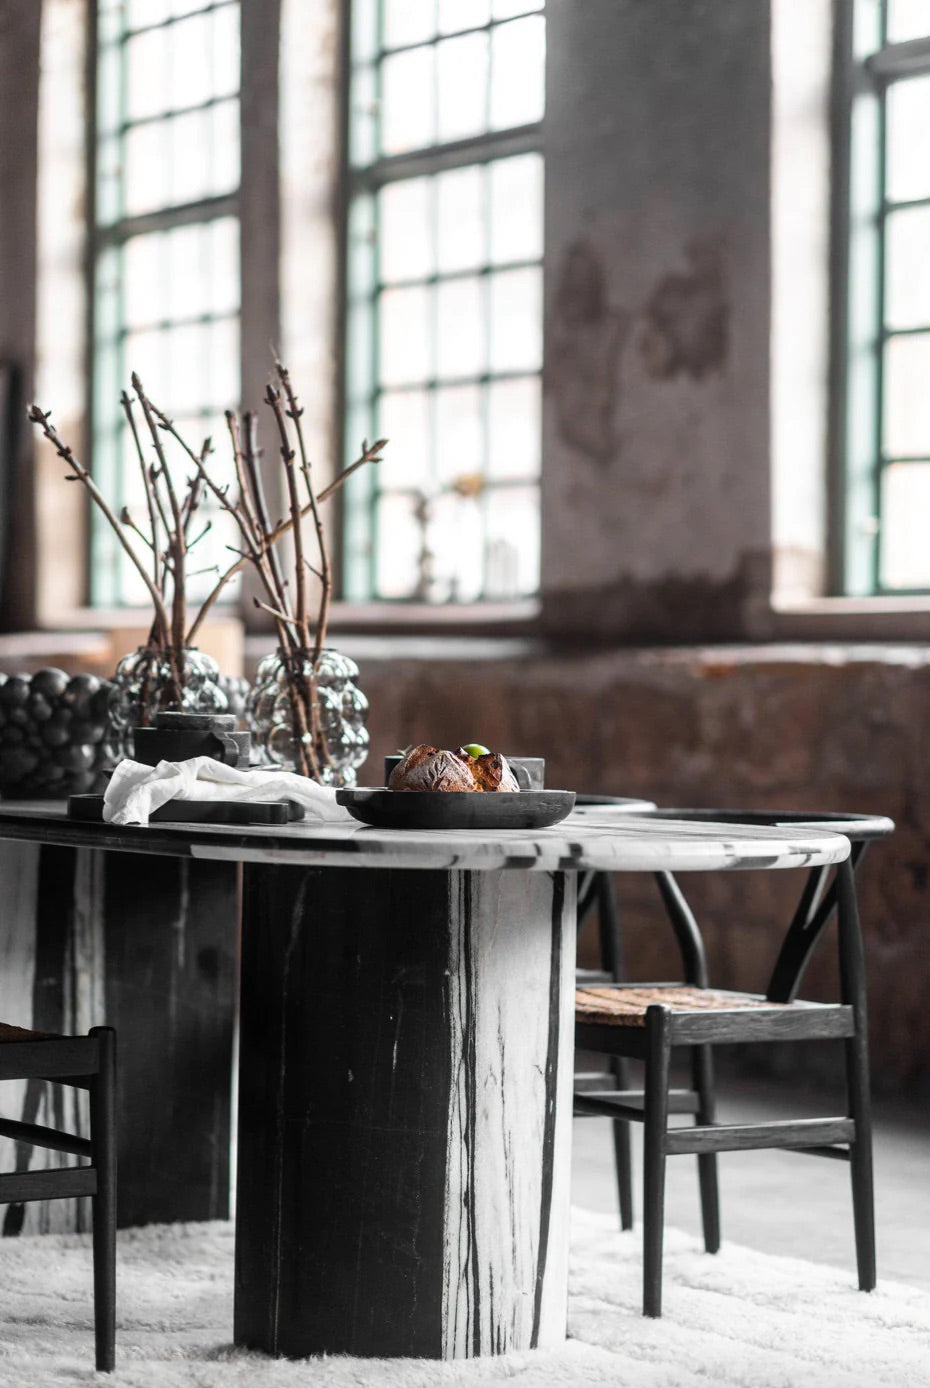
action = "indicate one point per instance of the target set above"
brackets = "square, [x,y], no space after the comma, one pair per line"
[519,618]
[907,602]
[828,619]
[851,618]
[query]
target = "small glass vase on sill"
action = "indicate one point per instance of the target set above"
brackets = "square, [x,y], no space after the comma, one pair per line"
[145,684]
[278,710]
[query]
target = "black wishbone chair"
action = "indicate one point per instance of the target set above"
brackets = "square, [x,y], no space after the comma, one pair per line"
[85,1062]
[646,1021]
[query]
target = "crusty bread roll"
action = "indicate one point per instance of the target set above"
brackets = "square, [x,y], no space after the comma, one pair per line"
[491,771]
[431,768]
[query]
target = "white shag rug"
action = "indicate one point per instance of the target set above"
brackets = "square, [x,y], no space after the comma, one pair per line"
[740,1318]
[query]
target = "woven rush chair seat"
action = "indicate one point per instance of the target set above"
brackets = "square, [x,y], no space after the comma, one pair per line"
[626,1007]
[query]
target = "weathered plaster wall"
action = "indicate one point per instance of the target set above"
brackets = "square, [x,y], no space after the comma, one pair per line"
[828,728]
[655,473]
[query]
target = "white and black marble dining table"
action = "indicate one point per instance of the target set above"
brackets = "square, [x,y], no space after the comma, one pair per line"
[405,1063]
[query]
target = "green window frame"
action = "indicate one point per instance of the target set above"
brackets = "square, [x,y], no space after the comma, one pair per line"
[444,298]
[163,212]
[882,293]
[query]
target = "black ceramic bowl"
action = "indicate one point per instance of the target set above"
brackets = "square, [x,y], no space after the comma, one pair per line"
[457,809]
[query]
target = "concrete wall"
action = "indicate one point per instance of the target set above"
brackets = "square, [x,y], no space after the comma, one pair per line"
[657,345]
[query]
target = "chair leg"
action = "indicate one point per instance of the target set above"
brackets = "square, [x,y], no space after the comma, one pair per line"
[860,1162]
[655,1125]
[623,1149]
[611,945]
[103,1136]
[852,977]
[702,1072]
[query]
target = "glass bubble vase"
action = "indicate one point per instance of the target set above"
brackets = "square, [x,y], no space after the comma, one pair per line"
[281,720]
[152,680]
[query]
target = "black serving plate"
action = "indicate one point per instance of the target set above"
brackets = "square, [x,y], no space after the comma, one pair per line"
[90,807]
[457,809]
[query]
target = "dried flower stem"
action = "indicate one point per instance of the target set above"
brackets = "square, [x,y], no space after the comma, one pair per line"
[170,522]
[80,474]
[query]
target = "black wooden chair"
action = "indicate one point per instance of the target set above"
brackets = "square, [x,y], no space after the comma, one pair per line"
[644,1022]
[85,1062]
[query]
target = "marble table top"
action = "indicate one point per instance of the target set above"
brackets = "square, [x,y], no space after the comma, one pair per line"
[591,838]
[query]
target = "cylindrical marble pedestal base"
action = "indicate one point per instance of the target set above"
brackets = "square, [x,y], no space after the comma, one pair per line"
[405,1109]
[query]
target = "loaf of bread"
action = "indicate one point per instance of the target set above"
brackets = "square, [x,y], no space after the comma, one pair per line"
[432,768]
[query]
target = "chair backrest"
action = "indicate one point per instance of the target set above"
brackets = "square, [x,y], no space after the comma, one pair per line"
[814,912]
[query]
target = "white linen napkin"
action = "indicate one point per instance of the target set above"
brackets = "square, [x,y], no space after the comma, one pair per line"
[135,790]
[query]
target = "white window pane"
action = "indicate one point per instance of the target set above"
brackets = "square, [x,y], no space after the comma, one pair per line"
[190,425]
[516,320]
[224,148]
[505,9]
[223,389]
[363,117]
[460,220]
[128,484]
[455,15]
[517,208]
[905,554]
[107,318]
[188,353]
[908,106]
[408,21]
[223,266]
[224,51]
[190,156]
[144,354]
[518,72]
[186,280]
[907,398]
[405,242]
[404,335]
[408,117]
[108,77]
[144,280]
[189,67]
[512,543]
[456,537]
[462,82]
[459,433]
[399,539]
[907,269]
[460,331]
[404,420]
[514,427]
[363,36]
[109,180]
[139,12]
[908,19]
[147,168]
[147,74]
[183,7]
